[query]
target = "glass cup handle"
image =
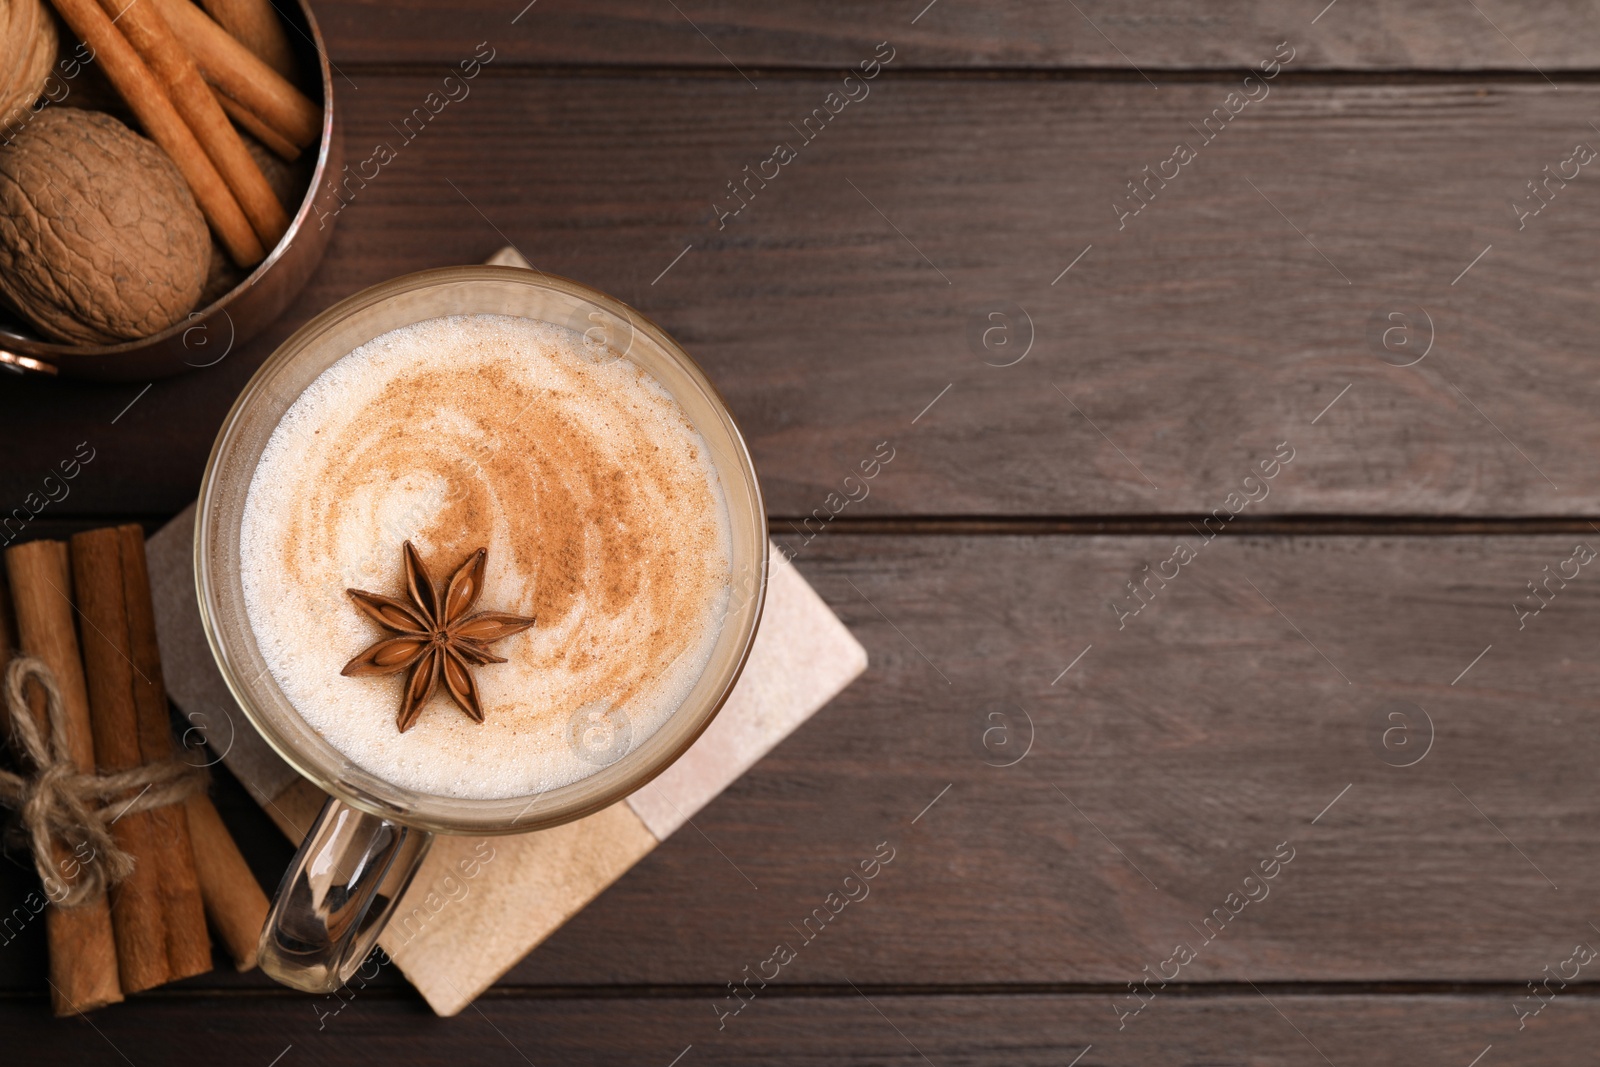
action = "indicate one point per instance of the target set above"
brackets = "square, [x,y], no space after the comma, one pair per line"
[334,900]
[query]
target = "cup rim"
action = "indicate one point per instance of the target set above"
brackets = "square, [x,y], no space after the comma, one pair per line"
[420,812]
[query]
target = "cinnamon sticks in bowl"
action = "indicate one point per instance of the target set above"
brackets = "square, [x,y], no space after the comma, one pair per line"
[86,613]
[155,67]
[242,76]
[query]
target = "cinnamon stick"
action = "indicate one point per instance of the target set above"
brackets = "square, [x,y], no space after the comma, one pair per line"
[253,125]
[254,24]
[188,945]
[149,104]
[237,71]
[160,925]
[231,896]
[137,915]
[148,32]
[234,900]
[83,949]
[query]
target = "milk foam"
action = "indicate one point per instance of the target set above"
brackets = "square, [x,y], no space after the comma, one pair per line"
[601,512]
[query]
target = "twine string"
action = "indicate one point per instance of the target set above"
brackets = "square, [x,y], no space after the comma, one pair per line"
[59,806]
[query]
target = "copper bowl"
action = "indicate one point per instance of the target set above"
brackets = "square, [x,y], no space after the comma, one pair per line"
[209,333]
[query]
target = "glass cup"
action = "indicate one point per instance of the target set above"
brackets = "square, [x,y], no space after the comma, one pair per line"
[372,835]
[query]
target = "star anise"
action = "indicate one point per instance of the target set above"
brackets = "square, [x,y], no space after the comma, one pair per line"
[435,637]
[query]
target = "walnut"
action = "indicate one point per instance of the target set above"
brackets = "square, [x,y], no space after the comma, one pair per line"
[100,239]
[27,48]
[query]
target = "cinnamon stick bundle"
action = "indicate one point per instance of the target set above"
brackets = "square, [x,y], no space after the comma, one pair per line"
[157,911]
[83,950]
[147,100]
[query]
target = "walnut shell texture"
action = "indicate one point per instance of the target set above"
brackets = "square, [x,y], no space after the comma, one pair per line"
[27,49]
[100,239]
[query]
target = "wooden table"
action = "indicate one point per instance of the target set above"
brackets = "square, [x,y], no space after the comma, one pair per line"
[1343,665]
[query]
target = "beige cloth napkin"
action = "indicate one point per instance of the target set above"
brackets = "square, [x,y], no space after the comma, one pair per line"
[480,904]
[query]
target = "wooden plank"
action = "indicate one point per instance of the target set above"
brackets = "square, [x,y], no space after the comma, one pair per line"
[844,1027]
[1416,34]
[840,305]
[1172,758]
[1215,726]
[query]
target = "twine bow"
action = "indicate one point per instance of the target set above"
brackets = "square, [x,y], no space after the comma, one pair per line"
[59,803]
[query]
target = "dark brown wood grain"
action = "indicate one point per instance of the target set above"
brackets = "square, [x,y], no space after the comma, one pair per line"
[1371,601]
[1195,741]
[1176,755]
[1416,34]
[843,1027]
[1167,363]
